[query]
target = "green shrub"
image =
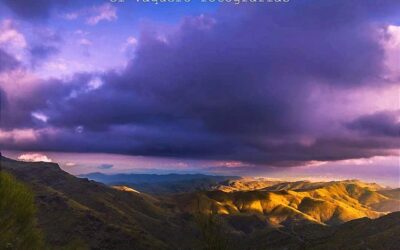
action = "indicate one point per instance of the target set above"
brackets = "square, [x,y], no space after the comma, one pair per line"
[213,235]
[18,228]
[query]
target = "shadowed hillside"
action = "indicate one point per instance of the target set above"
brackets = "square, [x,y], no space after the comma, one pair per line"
[374,234]
[81,213]
[382,233]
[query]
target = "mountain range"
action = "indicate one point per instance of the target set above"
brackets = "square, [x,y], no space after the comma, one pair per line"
[162,184]
[193,212]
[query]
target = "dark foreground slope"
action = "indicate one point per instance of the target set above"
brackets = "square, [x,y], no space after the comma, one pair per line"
[361,234]
[75,213]
[85,214]
[382,233]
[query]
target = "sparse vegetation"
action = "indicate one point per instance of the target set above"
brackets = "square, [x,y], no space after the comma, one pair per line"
[18,228]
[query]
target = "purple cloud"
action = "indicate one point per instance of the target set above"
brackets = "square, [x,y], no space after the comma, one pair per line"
[7,61]
[227,87]
[379,124]
[42,52]
[33,9]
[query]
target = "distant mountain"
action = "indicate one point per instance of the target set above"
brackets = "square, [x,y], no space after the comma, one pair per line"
[152,178]
[161,184]
[76,213]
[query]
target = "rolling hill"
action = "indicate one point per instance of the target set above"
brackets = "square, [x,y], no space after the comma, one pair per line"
[287,202]
[245,184]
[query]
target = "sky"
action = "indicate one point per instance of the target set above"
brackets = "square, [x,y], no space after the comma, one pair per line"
[283,89]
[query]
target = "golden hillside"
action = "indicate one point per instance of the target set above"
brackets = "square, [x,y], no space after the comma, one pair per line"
[246,184]
[320,202]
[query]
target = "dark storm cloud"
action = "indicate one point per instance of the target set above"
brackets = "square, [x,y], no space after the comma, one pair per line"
[380,124]
[17,109]
[251,83]
[226,87]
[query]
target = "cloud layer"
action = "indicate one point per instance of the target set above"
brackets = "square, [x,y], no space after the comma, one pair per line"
[262,86]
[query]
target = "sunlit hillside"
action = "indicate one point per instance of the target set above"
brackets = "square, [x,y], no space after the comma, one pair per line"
[323,202]
[245,184]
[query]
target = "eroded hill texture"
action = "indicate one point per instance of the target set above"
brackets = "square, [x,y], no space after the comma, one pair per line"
[283,203]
